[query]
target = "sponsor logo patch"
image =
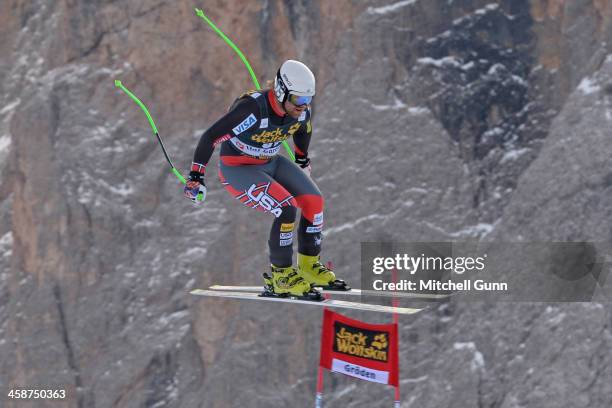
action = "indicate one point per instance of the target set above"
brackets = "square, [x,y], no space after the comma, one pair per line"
[276,135]
[245,124]
[286,242]
[286,235]
[366,344]
[318,219]
[262,198]
[270,136]
[314,230]
[254,151]
[287,227]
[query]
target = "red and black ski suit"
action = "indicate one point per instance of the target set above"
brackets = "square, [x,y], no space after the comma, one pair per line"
[251,169]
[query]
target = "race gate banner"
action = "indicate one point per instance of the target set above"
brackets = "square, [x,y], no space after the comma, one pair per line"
[358,349]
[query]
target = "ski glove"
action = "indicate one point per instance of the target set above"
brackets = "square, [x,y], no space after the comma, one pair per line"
[304,163]
[195,189]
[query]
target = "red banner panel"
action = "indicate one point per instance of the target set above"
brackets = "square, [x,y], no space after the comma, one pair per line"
[360,350]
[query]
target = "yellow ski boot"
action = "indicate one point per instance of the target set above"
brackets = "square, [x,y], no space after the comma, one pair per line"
[318,275]
[286,282]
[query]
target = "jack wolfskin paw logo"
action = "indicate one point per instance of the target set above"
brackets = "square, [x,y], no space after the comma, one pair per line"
[380,341]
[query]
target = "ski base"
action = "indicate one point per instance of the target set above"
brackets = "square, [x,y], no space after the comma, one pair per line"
[351,292]
[333,303]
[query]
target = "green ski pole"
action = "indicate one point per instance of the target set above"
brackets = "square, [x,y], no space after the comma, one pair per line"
[177,173]
[229,42]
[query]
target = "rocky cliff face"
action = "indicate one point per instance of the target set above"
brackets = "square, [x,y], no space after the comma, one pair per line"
[434,120]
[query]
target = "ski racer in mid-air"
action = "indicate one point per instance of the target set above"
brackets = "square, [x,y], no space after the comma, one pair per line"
[251,134]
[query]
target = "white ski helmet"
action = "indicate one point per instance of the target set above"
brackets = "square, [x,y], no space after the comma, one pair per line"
[294,78]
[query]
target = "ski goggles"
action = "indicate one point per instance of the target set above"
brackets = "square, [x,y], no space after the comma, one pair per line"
[299,100]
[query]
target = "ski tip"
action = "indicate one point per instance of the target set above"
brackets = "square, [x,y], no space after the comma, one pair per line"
[118,83]
[199,12]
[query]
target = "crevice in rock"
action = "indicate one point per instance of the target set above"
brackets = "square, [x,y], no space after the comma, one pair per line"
[266,16]
[69,349]
[94,46]
[151,9]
